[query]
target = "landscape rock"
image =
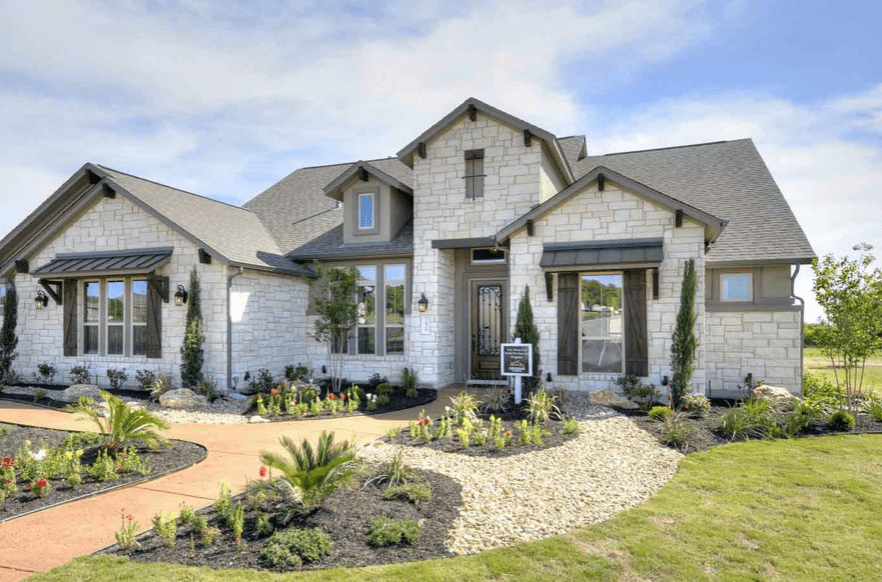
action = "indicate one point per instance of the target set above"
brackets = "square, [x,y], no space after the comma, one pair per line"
[609,398]
[779,396]
[257,419]
[182,398]
[71,394]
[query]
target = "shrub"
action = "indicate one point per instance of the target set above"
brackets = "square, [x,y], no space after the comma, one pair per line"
[117,378]
[304,545]
[683,340]
[386,532]
[192,353]
[166,528]
[263,526]
[223,506]
[571,426]
[634,389]
[677,430]
[409,382]
[8,338]
[39,486]
[78,440]
[39,394]
[659,413]
[46,372]
[841,421]
[414,492]
[465,408]
[697,404]
[385,389]
[754,418]
[298,372]
[208,535]
[123,423]
[208,389]
[125,537]
[145,379]
[236,521]
[159,387]
[496,400]
[873,407]
[542,408]
[382,400]
[394,472]
[188,516]
[80,374]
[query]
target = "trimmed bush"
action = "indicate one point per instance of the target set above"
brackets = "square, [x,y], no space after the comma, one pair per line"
[413,492]
[841,420]
[387,532]
[659,412]
[290,548]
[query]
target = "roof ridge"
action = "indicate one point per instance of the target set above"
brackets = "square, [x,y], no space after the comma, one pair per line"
[690,145]
[175,189]
[345,163]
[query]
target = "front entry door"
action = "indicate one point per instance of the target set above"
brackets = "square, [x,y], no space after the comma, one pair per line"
[488,325]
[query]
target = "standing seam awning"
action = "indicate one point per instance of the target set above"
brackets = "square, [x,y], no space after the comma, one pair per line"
[135,262]
[633,253]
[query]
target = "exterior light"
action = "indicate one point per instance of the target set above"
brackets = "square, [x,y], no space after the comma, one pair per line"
[41,300]
[423,303]
[180,296]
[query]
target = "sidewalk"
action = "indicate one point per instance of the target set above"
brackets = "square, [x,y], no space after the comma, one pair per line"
[53,537]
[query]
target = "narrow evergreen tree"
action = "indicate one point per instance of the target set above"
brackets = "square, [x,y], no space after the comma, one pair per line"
[683,341]
[192,353]
[8,339]
[526,330]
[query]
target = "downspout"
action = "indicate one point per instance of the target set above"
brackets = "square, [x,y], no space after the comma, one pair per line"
[801,324]
[230,278]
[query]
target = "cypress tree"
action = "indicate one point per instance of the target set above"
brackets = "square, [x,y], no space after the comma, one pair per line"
[683,340]
[526,330]
[8,339]
[192,353]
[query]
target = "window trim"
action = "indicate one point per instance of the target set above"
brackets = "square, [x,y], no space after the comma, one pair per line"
[501,261]
[750,282]
[376,324]
[102,324]
[472,158]
[581,368]
[386,325]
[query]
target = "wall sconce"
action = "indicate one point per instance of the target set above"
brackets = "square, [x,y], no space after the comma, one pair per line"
[548,377]
[664,381]
[41,300]
[423,303]
[180,296]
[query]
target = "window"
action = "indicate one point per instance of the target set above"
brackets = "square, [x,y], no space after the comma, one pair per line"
[736,287]
[115,317]
[91,316]
[366,216]
[367,310]
[601,323]
[488,256]
[474,174]
[139,318]
[393,281]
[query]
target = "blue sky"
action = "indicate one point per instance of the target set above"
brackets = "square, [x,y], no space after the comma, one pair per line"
[225,98]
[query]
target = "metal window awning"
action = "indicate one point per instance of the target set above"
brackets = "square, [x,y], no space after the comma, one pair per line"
[595,255]
[103,264]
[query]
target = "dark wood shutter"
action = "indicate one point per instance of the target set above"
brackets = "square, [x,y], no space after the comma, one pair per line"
[568,324]
[69,299]
[636,335]
[154,321]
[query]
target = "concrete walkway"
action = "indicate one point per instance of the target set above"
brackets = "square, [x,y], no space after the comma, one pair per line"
[53,537]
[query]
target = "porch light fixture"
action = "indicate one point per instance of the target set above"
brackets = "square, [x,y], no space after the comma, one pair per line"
[180,296]
[423,303]
[41,300]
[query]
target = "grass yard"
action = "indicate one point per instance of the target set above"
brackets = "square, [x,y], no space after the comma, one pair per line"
[815,361]
[795,510]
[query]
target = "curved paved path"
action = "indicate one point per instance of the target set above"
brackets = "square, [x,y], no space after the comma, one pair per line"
[53,537]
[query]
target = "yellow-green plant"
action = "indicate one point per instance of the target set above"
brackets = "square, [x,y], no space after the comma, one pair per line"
[166,528]
[122,423]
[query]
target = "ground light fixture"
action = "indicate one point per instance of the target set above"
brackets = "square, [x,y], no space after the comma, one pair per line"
[180,296]
[41,300]
[423,303]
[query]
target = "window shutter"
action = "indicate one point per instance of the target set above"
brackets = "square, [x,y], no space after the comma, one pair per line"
[154,321]
[636,335]
[568,324]
[69,299]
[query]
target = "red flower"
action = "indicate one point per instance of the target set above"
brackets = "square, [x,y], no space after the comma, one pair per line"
[263,471]
[129,517]
[7,462]
[259,398]
[42,482]
[342,397]
[330,396]
[8,481]
[119,469]
[273,392]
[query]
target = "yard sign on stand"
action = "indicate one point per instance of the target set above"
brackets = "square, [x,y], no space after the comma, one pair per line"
[517,361]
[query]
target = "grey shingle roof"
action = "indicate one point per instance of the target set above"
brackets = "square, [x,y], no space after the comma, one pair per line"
[234,233]
[296,210]
[729,180]
[572,147]
[330,246]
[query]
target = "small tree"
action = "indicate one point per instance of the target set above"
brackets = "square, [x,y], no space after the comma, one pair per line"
[526,330]
[192,353]
[337,309]
[850,293]
[683,342]
[8,339]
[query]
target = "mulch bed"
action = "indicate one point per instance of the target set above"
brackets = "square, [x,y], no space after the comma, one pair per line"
[709,434]
[398,401]
[161,461]
[345,516]
[510,418]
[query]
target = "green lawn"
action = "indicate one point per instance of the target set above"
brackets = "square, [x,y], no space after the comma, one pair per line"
[794,510]
[815,361]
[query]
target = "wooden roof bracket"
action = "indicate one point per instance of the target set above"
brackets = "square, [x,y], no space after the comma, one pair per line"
[528,138]
[160,284]
[53,289]
[473,113]
[421,149]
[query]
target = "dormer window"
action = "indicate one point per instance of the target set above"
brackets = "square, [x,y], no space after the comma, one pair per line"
[474,174]
[366,211]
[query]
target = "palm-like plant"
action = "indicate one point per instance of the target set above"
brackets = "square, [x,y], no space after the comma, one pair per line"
[308,475]
[121,423]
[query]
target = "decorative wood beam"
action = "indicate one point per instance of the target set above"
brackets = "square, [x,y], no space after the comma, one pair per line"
[92,177]
[549,286]
[160,284]
[108,191]
[473,113]
[22,266]
[204,257]
[528,138]
[53,289]
[530,227]
[678,218]
[363,174]
[421,149]
[601,182]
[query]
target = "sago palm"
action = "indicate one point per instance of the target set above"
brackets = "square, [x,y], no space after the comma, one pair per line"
[122,423]
[308,475]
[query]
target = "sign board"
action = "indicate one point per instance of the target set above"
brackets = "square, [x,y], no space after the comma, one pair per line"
[517,359]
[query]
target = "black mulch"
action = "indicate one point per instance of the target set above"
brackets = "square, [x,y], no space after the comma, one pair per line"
[709,434]
[398,401]
[345,516]
[161,461]
[510,418]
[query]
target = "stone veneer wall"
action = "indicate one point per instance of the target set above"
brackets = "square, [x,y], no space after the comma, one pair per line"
[112,225]
[613,214]
[764,343]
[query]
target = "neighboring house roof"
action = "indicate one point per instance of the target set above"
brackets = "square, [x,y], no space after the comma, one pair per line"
[361,170]
[573,148]
[727,179]
[551,141]
[295,210]
[330,245]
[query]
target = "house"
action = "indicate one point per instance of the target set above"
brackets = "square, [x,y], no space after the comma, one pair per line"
[465,217]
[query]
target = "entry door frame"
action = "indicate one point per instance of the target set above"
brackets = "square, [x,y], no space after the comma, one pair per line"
[471,313]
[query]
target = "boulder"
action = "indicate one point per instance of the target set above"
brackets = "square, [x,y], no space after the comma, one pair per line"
[256,419]
[71,394]
[182,398]
[609,398]
[778,396]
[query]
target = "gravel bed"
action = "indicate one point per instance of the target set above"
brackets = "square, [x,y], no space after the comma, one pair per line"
[612,466]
